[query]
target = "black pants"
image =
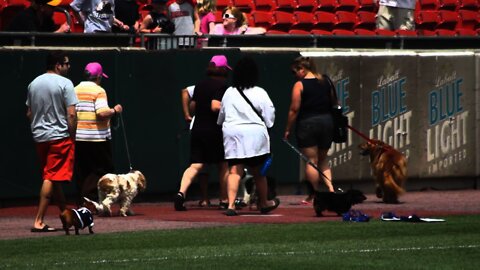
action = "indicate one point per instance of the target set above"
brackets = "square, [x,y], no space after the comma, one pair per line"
[92,161]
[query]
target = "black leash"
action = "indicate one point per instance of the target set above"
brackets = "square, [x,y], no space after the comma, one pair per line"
[306,159]
[126,142]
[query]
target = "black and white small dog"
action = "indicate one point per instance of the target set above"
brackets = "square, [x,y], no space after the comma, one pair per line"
[336,202]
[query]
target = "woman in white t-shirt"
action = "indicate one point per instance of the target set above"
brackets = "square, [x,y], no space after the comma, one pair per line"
[245,137]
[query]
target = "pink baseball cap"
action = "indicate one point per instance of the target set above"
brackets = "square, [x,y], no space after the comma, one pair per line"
[220,61]
[95,69]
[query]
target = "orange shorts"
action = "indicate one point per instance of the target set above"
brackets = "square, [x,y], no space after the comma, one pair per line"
[57,159]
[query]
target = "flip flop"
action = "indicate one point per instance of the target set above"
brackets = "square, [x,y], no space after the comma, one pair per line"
[45,228]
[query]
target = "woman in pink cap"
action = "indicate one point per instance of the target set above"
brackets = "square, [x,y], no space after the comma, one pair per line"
[206,141]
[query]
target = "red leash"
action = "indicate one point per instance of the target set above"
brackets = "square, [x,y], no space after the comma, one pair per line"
[360,133]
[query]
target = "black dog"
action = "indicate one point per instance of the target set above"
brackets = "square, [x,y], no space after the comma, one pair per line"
[336,202]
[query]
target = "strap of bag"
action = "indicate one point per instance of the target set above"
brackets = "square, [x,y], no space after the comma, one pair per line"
[251,105]
[333,92]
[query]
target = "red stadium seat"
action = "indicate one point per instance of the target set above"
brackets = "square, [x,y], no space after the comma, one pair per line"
[218,16]
[428,4]
[366,20]
[423,32]
[447,19]
[469,4]
[264,5]
[222,4]
[282,21]
[276,32]
[447,4]
[319,32]
[385,32]
[364,32]
[324,20]
[262,19]
[466,32]
[298,32]
[342,32]
[468,19]
[406,33]
[367,5]
[327,5]
[346,5]
[244,5]
[445,32]
[286,5]
[345,20]
[427,20]
[303,20]
[307,5]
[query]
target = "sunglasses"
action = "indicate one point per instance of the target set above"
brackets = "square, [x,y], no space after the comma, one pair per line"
[228,16]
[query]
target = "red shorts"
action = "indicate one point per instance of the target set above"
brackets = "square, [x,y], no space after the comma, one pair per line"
[57,159]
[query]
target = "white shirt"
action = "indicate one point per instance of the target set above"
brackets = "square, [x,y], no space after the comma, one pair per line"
[245,135]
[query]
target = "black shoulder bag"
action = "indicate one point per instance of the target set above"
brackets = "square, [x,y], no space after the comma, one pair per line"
[340,121]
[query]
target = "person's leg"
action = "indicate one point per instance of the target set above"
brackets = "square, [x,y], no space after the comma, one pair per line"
[261,185]
[234,176]
[45,196]
[384,18]
[325,168]
[223,174]
[58,195]
[311,174]
[202,178]
[188,177]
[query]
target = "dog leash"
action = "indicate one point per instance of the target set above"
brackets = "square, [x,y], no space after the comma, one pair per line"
[126,142]
[306,159]
[360,133]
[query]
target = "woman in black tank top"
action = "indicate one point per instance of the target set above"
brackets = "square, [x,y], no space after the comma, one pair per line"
[310,110]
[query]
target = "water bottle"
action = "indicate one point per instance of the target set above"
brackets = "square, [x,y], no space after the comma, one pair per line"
[266,166]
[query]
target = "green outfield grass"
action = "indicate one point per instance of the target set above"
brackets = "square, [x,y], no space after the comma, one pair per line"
[454,244]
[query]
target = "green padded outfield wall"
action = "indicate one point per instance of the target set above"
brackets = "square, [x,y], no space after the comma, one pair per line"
[425,104]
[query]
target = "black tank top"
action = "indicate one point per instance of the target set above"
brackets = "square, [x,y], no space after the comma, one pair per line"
[315,98]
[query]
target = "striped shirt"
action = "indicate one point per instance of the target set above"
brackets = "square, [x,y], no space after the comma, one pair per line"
[92,99]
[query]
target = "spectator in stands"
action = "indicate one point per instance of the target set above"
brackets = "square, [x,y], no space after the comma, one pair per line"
[206,142]
[98,16]
[184,14]
[235,23]
[126,11]
[157,20]
[245,115]
[206,9]
[38,18]
[51,104]
[396,14]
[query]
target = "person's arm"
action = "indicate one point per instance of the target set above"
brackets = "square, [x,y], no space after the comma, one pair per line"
[120,24]
[216,105]
[107,114]
[294,107]
[72,121]
[186,105]
[196,22]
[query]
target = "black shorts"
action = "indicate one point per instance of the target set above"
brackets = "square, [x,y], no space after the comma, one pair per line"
[315,131]
[206,146]
[251,161]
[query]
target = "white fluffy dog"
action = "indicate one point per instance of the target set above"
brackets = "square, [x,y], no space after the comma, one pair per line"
[121,188]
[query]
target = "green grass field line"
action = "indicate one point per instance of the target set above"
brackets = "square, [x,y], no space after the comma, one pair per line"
[454,244]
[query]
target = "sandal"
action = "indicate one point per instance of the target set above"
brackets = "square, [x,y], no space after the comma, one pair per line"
[178,202]
[231,213]
[265,210]
[45,228]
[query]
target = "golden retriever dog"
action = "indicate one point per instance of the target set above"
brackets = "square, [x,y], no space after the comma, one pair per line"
[121,188]
[389,168]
